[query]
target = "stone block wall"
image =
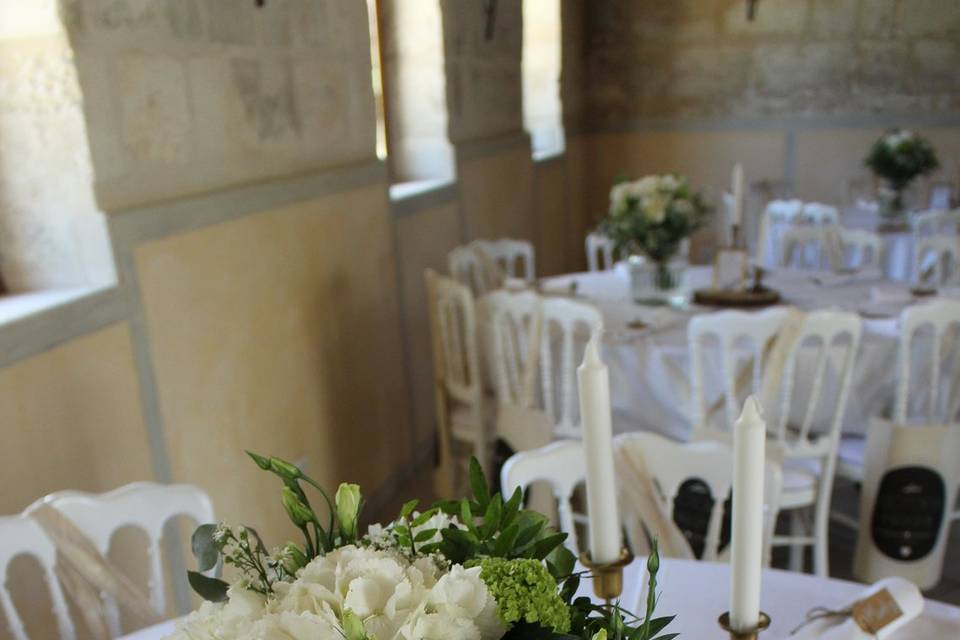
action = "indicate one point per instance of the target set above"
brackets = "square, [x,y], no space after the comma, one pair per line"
[689,59]
[184,96]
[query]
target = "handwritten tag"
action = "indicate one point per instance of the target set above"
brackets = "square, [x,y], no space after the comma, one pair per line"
[874,613]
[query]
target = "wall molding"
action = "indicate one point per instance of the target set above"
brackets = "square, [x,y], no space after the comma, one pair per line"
[467,150]
[140,224]
[776,123]
[441,195]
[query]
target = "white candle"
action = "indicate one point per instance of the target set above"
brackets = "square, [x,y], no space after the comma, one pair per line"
[736,216]
[749,444]
[594,384]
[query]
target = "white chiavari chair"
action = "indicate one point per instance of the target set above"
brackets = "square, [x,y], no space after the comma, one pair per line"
[507,254]
[934,221]
[473,269]
[766,352]
[561,465]
[691,484]
[147,506]
[464,416]
[567,326]
[806,247]
[936,260]
[819,213]
[928,380]
[861,249]
[599,252]
[22,535]
[776,214]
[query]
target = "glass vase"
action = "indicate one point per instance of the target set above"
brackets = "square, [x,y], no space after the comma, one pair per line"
[657,282]
[893,209]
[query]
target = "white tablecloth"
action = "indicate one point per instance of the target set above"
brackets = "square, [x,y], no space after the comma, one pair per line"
[698,592]
[650,368]
[898,245]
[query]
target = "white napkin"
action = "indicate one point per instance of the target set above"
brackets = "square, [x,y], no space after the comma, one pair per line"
[904,593]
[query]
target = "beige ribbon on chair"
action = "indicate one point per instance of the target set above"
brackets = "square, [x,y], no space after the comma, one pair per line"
[637,493]
[87,576]
[775,355]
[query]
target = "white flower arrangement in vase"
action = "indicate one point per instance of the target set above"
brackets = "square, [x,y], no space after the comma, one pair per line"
[651,217]
[482,568]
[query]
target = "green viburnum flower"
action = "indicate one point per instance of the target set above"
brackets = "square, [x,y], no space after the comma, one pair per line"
[525,592]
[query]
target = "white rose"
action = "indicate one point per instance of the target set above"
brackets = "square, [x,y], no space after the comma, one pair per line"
[683,207]
[655,207]
[618,197]
[202,624]
[668,183]
[462,594]
[645,186]
[438,626]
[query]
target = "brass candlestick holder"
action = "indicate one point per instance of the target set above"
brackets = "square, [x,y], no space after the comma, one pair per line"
[607,577]
[751,634]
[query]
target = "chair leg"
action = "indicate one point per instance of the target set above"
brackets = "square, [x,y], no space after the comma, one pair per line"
[821,540]
[796,548]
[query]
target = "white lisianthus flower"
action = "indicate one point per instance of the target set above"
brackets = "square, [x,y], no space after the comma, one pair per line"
[438,626]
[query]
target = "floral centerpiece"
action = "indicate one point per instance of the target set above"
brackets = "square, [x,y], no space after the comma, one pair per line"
[651,217]
[898,157]
[481,568]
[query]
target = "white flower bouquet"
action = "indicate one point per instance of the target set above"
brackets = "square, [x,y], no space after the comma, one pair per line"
[651,216]
[474,569]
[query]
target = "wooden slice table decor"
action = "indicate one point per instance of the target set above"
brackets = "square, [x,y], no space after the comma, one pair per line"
[754,297]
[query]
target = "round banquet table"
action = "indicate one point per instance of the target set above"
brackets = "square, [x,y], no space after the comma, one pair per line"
[697,593]
[650,366]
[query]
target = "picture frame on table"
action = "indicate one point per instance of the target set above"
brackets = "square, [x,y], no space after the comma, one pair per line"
[731,269]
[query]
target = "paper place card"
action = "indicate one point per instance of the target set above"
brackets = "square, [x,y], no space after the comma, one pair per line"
[875,612]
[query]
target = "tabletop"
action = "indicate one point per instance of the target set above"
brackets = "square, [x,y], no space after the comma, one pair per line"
[646,346]
[697,593]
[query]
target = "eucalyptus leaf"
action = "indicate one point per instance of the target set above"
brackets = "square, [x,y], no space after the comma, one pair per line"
[204,547]
[212,589]
[408,508]
[425,535]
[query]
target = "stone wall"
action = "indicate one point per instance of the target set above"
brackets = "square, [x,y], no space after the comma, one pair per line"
[701,58]
[184,96]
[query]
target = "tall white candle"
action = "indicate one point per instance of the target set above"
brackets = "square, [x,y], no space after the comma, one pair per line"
[736,216]
[749,443]
[594,386]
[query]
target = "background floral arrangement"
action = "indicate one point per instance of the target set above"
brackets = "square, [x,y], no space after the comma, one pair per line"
[652,216]
[901,155]
[475,569]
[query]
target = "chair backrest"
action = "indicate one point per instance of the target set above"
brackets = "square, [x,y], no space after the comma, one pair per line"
[566,324]
[819,213]
[514,317]
[742,337]
[807,247]
[862,249]
[823,352]
[936,259]
[940,386]
[599,252]
[775,214]
[692,484]
[454,328]
[934,221]
[561,465]
[148,506]
[506,253]
[469,267]
[22,535]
